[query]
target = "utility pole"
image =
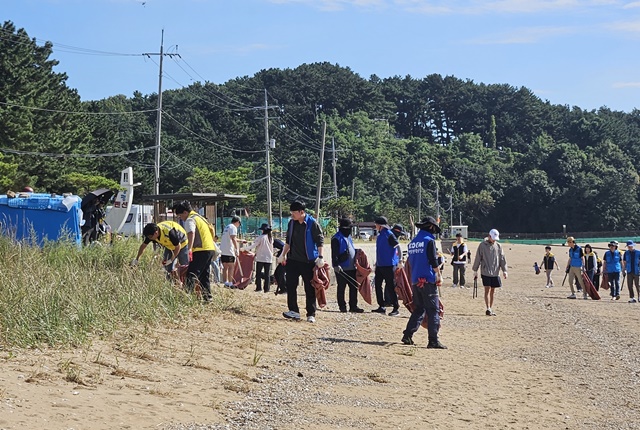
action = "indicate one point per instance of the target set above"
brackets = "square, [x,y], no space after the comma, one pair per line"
[280,206]
[319,191]
[419,199]
[156,170]
[438,203]
[267,143]
[335,160]
[451,210]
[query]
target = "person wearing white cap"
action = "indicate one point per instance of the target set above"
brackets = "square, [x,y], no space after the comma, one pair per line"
[490,259]
[631,265]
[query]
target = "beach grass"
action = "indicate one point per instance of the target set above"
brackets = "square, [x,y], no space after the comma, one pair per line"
[63,295]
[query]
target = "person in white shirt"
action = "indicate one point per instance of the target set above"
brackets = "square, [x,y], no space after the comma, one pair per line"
[229,249]
[264,256]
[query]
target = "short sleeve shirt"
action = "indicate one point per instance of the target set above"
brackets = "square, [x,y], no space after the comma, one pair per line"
[226,245]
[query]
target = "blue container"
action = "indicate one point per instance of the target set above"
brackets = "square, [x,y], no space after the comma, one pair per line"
[41,217]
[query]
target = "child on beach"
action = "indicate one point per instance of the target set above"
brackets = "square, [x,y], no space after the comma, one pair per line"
[548,263]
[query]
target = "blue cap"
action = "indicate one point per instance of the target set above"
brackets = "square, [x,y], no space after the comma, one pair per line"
[630,243]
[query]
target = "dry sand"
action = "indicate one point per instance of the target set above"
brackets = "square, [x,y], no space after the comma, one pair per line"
[544,362]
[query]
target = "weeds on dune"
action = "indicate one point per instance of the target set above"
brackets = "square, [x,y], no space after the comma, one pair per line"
[61,295]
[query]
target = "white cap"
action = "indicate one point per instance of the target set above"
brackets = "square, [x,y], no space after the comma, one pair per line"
[494,234]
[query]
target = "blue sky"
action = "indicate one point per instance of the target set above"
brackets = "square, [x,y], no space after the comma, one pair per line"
[582,53]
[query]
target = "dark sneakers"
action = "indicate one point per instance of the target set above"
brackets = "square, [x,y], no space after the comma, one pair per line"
[343,310]
[380,310]
[436,345]
[356,310]
[407,340]
[394,312]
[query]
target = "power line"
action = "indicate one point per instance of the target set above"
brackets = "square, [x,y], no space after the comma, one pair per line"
[210,141]
[57,155]
[75,112]
[60,46]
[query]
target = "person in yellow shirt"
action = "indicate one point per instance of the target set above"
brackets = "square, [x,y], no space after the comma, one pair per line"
[173,238]
[201,246]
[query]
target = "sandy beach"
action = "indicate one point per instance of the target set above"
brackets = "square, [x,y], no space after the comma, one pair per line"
[544,362]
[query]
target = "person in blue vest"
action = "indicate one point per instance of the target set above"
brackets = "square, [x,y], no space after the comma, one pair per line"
[302,251]
[574,267]
[386,262]
[631,265]
[343,260]
[612,266]
[425,278]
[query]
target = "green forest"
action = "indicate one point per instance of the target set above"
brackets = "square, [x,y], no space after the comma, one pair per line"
[496,155]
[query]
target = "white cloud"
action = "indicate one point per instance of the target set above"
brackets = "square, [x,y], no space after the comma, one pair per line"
[626,26]
[631,5]
[524,35]
[626,85]
[336,5]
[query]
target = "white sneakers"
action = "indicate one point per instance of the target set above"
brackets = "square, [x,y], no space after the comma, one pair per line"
[572,296]
[311,319]
[632,300]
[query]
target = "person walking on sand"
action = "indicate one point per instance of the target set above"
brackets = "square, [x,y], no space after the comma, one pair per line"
[202,248]
[458,253]
[343,260]
[574,267]
[264,256]
[302,251]
[612,265]
[590,264]
[229,247]
[425,278]
[386,262]
[631,265]
[490,259]
[548,264]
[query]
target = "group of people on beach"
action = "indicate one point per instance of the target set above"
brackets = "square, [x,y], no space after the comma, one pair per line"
[584,262]
[191,243]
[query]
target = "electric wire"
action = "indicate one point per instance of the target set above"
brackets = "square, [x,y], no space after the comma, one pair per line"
[58,155]
[75,112]
[210,141]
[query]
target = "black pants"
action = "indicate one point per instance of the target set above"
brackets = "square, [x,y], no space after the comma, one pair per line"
[262,272]
[200,269]
[427,303]
[295,270]
[389,297]
[279,274]
[347,279]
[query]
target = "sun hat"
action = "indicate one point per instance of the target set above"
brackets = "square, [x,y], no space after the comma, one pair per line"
[428,220]
[265,227]
[613,243]
[398,229]
[630,243]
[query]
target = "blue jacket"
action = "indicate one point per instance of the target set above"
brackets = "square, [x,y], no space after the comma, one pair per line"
[420,261]
[613,260]
[632,258]
[345,248]
[310,245]
[386,254]
[575,254]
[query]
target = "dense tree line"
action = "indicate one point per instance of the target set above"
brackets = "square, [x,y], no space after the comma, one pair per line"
[501,155]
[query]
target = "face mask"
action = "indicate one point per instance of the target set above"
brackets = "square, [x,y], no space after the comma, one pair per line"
[345,231]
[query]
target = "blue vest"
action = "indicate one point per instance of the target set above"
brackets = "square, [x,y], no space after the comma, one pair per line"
[574,255]
[417,251]
[613,260]
[346,244]
[633,261]
[309,244]
[386,256]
